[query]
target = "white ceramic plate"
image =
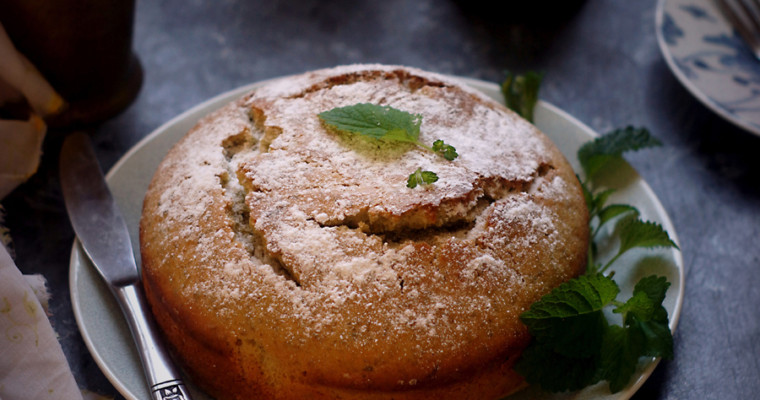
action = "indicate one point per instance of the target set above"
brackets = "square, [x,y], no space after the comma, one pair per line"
[710,59]
[107,336]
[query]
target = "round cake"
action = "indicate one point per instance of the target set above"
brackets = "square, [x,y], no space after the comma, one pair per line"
[286,259]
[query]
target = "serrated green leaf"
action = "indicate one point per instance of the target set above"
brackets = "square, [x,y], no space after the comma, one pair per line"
[620,352]
[420,177]
[654,287]
[614,210]
[658,340]
[634,232]
[596,154]
[375,121]
[568,327]
[645,313]
[383,123]
[585,294]
[600,199]
[521,92]
[637,233]
[447,151]
[573,344]
[570,317]
[639,304]
[564,373]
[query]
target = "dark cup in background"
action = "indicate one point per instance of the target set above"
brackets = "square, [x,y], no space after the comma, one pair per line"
[83,48]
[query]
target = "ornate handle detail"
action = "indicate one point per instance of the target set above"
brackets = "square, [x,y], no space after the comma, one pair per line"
[174,390]
[163,378]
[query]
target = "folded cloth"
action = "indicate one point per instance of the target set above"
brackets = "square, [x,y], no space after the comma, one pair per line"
[20,151]
[32,363]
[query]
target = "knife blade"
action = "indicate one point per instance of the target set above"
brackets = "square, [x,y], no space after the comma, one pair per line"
[104,236]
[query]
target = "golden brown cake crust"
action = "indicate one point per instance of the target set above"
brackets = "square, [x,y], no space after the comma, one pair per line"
[284,260]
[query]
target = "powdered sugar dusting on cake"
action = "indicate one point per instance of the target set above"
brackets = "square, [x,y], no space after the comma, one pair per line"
[324,222]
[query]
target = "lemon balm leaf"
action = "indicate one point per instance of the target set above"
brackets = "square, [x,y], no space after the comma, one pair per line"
[585,294]
[614,210]
[542,366]
[634,232]
[595,155]
[420,177]
[383,123]
[375,121]
[637,233]
[575,346]
[644,312]
[568,327]
[620,351]
[610,212]
[390,124]
[570,317]
[645,332]
[521,92]
[653,287]
[447,151]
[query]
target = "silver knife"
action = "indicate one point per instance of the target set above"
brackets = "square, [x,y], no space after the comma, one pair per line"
[103,234]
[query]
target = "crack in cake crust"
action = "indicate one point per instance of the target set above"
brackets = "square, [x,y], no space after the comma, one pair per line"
[451,218]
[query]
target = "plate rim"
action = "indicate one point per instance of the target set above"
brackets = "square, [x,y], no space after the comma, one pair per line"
[690,86]
[75,259]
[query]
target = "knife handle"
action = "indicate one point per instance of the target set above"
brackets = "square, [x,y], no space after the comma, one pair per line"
[164,380]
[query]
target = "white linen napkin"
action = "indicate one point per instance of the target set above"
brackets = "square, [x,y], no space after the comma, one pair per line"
[32,363]
[20,151]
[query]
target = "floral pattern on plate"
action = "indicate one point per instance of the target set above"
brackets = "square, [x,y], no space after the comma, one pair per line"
[710,59]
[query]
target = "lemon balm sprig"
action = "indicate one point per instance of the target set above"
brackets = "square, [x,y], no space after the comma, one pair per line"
[598,155]
[383,123]
[390,124]
[574,345]
[520,92]
[420,177]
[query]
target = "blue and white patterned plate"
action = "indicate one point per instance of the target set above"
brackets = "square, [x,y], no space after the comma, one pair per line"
[710,59]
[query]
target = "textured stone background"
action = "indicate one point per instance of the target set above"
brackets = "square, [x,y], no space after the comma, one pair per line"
[602,65]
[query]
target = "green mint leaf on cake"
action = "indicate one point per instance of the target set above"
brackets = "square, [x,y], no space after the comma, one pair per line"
[422,178]
[595,155]
[383,123]
[521,92]
[448,151]
[377,122]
